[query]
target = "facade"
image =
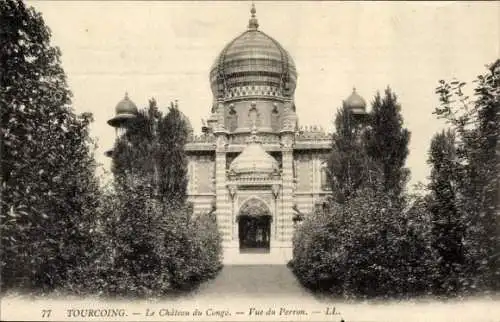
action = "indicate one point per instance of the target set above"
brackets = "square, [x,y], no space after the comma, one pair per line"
[252,163]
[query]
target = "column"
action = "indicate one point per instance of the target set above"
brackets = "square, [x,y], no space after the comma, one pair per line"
[285,222]
[287,140]
[232,188]
[276,213]
[222,200]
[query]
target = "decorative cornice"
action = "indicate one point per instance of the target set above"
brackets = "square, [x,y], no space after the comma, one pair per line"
[239,181]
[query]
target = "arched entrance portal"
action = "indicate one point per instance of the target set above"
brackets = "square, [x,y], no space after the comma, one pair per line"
[254,226]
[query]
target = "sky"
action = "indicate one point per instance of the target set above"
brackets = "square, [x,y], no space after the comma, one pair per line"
[164,49]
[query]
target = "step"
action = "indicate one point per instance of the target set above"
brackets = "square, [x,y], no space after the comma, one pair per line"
[278,254]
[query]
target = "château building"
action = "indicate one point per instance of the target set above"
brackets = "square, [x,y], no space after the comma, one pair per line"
[252,164]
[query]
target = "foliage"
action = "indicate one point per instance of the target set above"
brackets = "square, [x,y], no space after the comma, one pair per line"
[157,246]
[153,147]
[348,160]
[149,248]
[172,133]
[366,248]
[475,121]
[370,242]
[194,248]
[447,220]
[387,142]
[132,244]
[133,151]
[48,188]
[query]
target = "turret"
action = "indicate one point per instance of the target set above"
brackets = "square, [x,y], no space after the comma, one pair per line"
[125,112]
[357,106]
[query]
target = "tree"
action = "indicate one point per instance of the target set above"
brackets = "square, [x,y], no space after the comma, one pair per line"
[376,241]
[153,147]
[366,248]
[447,222]
[476,122]
[173,132]
[169,250]
[387,142]
[133,153]
[348,160]
[48,187]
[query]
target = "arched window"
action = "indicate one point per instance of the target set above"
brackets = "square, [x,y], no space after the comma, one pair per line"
[275,118]
[325,177]
[233,118]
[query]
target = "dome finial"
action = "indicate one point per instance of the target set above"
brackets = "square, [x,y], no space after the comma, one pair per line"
[253,24]
[126,95]
[354,89]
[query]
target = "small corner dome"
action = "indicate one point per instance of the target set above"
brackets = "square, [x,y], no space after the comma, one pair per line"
[355,101]
[125,111]
[126,106]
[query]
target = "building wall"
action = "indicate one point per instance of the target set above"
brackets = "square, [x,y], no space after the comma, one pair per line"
[237,116]
[302,184]
[310,185]
[201,184]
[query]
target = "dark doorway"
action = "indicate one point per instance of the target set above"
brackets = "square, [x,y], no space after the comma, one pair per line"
[254,233]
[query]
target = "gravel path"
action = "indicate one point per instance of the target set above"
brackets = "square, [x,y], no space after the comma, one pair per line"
[247,293]
[254,281]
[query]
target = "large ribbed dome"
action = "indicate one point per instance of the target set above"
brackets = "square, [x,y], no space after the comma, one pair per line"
[253,64]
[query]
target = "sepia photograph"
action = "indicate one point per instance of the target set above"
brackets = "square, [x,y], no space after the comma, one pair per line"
[249,161]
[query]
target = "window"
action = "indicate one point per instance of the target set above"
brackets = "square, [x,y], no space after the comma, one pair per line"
[325,177]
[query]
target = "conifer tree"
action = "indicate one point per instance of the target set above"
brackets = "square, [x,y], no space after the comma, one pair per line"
[368,244]
[48,188]
[173,131]
[387,142]
[135,228]
[133,154]
[348,160]
[153,148]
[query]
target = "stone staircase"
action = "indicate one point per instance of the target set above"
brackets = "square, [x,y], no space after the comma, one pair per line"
[278,254]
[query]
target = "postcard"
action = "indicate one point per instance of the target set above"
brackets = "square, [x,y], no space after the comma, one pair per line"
[250,161]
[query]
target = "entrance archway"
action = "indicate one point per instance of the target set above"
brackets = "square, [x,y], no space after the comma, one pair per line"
[254,226]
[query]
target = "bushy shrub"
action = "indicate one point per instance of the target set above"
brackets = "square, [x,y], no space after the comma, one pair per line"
[209,244]
[148,248]
[365,248]
[311,242]
[194,246]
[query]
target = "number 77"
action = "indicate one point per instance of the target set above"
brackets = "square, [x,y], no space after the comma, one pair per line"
[46,313]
